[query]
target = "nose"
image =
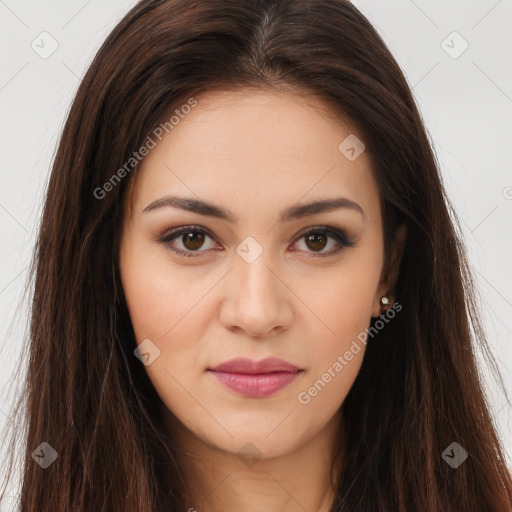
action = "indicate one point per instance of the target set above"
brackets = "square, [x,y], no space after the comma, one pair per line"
[257,301]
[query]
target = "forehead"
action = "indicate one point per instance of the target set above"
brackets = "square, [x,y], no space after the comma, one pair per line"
[241,148]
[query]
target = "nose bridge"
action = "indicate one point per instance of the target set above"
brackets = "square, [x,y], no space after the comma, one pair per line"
[257,280]
[258,301]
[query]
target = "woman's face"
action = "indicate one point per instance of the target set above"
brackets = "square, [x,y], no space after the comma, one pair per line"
[260,276]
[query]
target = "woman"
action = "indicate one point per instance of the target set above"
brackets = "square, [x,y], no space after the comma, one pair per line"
[248,267]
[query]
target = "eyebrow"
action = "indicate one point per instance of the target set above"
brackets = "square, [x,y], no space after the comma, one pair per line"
[287,215]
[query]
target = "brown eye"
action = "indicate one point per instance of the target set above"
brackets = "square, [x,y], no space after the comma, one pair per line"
[322,237]
[189,240]
[193,240]
[316,241]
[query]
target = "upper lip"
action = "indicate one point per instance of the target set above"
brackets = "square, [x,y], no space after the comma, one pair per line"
[249,366]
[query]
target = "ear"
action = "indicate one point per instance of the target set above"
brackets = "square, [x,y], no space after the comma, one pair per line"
[390,272]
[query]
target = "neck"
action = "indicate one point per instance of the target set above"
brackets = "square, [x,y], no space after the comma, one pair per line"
[297,481]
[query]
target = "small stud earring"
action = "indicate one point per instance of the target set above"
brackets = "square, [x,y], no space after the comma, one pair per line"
[384,300]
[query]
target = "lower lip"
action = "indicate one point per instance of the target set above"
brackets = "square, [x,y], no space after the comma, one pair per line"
[255,385]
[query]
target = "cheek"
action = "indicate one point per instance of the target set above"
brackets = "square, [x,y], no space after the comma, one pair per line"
[335,360]
[162,301]
[344,304]
[167,309]
[170,309]
[344,298]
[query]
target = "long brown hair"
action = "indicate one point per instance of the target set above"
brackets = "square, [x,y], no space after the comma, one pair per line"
[87,395]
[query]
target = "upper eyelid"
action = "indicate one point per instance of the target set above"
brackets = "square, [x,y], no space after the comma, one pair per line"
[173,233]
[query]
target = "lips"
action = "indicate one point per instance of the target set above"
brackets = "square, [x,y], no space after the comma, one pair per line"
[255,379]
[248,366]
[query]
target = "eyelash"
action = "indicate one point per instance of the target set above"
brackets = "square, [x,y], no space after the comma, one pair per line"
[334,233]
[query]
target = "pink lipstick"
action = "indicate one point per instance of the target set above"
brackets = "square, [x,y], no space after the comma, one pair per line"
[256,379]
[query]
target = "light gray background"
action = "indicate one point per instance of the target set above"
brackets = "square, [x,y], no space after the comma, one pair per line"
[466,103]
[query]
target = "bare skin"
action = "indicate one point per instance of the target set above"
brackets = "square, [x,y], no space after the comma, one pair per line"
[254,154]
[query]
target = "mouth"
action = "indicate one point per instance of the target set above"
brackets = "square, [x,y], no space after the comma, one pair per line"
[256,379]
